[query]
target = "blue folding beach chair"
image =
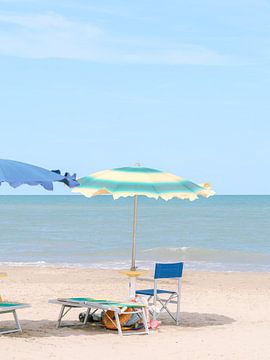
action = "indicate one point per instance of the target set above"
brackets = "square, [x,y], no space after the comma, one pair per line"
[162,296]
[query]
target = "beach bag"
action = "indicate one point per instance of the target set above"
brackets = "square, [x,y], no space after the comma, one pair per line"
[126,320]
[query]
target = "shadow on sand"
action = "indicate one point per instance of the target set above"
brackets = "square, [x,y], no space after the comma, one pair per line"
[47,328]
[197,320]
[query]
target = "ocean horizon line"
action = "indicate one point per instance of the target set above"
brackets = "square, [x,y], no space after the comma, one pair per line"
[108,195]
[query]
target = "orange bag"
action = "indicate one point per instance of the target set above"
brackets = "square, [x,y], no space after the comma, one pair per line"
[108,319]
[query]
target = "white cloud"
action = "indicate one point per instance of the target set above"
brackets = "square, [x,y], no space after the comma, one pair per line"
[54,36]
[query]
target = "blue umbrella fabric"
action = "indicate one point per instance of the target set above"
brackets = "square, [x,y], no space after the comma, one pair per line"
[16,173]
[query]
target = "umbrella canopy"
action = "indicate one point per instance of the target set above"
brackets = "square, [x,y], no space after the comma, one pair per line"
[16,173]
[136,180]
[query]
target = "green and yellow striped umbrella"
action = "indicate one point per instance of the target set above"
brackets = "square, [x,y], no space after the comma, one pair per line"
[137,180]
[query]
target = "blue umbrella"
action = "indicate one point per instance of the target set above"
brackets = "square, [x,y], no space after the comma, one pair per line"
[16,173]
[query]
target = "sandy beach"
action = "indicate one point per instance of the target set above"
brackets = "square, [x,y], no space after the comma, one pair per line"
[224,316]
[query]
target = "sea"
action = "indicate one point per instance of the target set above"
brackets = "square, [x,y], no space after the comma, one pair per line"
[222,233]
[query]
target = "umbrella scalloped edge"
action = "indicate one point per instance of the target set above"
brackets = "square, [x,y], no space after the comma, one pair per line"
[207,192]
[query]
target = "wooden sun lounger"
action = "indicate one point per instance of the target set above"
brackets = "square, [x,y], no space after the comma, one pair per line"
[93,305]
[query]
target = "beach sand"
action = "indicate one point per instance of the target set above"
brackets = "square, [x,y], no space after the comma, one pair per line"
[224,316]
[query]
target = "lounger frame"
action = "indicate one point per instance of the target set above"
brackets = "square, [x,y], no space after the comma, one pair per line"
[13,309]
[91,308]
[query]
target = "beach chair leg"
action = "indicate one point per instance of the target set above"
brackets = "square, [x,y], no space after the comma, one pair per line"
[58,325]
[178,302]
[155,315]
[118,323]
[164,307]
[17,321]
[178,311]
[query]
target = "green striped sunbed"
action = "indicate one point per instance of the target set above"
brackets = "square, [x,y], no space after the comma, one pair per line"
[92,304]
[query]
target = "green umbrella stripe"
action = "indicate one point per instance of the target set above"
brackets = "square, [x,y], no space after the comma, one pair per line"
[138,169]
[162,187]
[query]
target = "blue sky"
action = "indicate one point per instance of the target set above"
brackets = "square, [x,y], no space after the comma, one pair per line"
[176,85]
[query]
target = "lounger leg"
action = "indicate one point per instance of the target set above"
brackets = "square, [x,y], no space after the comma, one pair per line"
[118,323]
[86,316]
[18,326]
[145,320]
[17,321]
[58,325]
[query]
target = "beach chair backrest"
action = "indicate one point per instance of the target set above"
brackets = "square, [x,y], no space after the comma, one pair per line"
[168,271]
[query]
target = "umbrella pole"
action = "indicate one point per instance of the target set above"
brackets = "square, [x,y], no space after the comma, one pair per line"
[133,267]
[133,273]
